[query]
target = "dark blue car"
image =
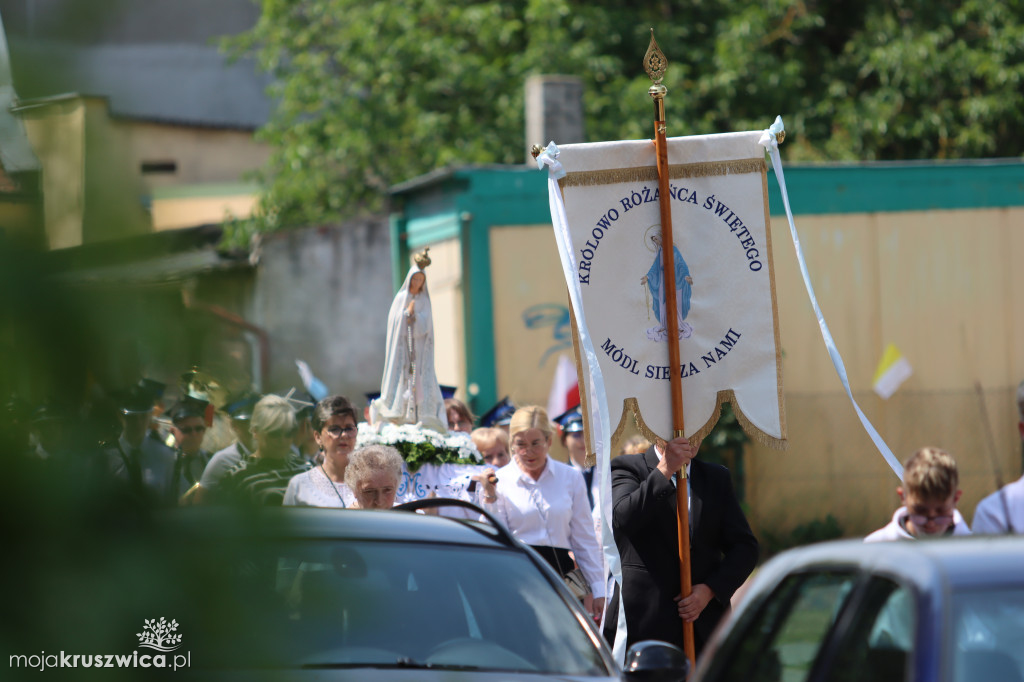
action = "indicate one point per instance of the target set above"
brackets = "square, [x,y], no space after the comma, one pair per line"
[303,593]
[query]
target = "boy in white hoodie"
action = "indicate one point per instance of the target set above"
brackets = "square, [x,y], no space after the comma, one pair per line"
[929,493]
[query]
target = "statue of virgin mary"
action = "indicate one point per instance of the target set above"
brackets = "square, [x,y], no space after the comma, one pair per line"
[409,392]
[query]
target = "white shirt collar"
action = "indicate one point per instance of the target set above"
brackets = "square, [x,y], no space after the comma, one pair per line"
[527,478]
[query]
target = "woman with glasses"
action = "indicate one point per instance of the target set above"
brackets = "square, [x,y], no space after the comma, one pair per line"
[544,503]
[334,428]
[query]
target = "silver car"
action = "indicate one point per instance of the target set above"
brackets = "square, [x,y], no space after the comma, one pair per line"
[947,610]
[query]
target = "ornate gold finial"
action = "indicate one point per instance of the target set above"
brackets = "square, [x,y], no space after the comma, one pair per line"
[421,259]
[780,136]
[535,150]
[655,62]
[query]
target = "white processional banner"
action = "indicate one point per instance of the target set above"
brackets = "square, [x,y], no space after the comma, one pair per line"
[723,277]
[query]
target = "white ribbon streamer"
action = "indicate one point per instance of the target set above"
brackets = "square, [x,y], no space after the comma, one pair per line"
[597,403]
[770,143]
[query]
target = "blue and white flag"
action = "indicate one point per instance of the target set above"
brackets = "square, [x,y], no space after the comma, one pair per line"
[313,386]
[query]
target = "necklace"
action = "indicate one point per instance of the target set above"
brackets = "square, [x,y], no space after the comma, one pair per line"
[333,487]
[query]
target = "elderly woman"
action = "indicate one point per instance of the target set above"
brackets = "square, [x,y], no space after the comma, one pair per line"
[263,477]
[334,429]
[373,474]
[544,503]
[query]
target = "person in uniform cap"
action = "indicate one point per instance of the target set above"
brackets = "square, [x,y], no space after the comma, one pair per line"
[73,441]
[239,408]
[48,431]
[500,415]
[157,431]
[144,464]
[188,420]
[571,423]
[370,397]
[305,444]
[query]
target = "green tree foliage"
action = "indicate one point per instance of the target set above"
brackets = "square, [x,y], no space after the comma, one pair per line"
[372,94]
[375,93]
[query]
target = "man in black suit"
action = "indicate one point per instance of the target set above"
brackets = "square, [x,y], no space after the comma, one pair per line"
[723,550]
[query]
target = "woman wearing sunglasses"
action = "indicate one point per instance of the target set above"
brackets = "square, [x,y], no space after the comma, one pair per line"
[334,428]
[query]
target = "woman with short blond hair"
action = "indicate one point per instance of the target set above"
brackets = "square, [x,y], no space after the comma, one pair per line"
[543,502]
[263,477]
[492,443]
[272,414]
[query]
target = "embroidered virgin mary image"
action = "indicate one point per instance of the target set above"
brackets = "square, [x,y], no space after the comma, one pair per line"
[654,280]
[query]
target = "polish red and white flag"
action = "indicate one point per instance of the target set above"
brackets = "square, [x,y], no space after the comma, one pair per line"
[565,388]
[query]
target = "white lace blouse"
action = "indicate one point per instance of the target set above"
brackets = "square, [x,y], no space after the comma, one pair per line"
[314,489]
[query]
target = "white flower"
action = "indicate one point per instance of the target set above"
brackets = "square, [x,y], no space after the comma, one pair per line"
[457,443]
[472,455]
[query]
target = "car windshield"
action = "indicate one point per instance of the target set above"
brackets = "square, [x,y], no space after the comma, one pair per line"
[987,635]
[342,604]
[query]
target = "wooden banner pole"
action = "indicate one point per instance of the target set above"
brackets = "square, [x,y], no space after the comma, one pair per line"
[655,64]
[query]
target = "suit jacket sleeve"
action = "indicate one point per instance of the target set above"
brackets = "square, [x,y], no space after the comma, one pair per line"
[723,539]
[640,495]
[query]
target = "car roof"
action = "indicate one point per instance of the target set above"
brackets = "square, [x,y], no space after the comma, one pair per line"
[956,562]
[333,524]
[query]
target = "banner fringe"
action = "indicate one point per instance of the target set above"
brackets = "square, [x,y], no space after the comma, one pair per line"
[631,407]
[582,375]
[700,169]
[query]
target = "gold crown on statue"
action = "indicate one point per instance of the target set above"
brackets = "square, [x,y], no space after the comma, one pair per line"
[421,259]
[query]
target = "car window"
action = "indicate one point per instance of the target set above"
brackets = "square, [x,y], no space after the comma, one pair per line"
[781,642]
[383,604]
[987,641]
[879,637]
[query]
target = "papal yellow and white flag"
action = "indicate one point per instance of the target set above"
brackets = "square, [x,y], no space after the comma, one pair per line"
[723,277]
[893,370]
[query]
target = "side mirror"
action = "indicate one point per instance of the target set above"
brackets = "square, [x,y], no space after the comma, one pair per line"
[654,661]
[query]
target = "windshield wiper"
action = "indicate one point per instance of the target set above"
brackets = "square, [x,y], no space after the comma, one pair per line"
[401,662]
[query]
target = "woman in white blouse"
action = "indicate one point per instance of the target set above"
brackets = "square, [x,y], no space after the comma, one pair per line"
[334,428]
[543,502]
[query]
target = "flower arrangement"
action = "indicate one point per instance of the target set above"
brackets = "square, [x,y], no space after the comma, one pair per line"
[419,446]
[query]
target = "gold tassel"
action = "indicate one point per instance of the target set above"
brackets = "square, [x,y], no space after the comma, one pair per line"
[701,169]
[631,407]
